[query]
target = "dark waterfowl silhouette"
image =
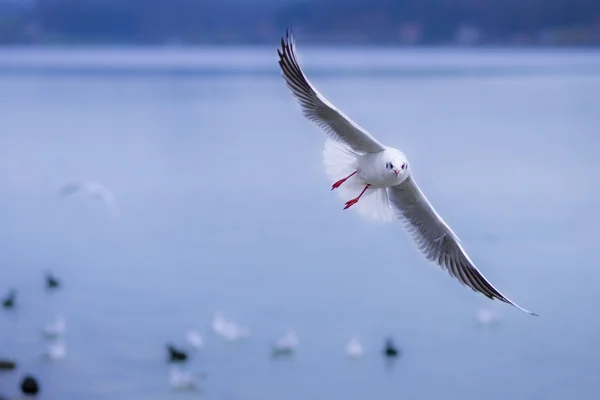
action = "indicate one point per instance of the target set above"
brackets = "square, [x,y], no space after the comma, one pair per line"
[390,349]
[29,386]
[10,300]
[51,281]
[176,355]
[7,365]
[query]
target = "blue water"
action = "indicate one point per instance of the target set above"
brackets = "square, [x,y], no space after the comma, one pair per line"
[224,205]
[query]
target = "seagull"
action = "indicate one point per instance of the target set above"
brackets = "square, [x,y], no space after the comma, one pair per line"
[93,189]
[194,339]
[382,177]
[286,345]
[176,355]
[7,365]
[228,329]
[183,380]
[390,349]
[56,328]
[219,323]
[10,300]
[29,386]
[354,349]
[56,350]
[51,281]
[487,317]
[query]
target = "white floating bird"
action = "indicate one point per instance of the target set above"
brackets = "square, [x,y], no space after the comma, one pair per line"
[56,350]
[354,349]
[287,344]
[92,189]
[183,380]
[219,322]
[56,328]
[228,329]
[487,317]
[380,177]
[194,339]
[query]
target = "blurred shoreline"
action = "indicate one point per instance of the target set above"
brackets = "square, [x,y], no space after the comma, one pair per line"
[524,23]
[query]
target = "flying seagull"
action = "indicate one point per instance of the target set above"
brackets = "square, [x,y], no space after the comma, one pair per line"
[93,189]
[381,178]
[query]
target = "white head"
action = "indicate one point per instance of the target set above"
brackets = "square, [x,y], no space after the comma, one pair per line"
[396,165]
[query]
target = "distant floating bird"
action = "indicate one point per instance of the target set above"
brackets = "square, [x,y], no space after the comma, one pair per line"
[354,349]
[56,328]
[194,339]
[175,354]
[51,281]
[380,179]
[29,386]
[10,300]
[286,345]
[219,323]
[390,349]
[487,317]
[56,350]
[7,365]
[183,380]
[228,329]
[92,189]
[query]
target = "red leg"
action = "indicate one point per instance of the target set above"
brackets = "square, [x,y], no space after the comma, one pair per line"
[339,183]
[352,202]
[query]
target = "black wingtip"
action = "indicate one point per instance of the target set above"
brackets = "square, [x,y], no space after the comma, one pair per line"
[286,44]
[289,36]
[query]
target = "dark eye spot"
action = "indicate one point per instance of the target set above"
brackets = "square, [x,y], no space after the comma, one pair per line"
[403,166]
[391,166]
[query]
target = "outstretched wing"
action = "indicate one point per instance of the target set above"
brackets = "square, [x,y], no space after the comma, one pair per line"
[92,189]
[436,240]
[317,109]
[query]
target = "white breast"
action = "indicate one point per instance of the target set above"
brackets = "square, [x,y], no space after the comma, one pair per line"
[371,168]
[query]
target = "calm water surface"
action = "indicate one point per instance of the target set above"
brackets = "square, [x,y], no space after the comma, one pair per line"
[224,205]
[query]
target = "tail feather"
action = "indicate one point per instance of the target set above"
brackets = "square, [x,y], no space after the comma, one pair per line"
[340,161]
